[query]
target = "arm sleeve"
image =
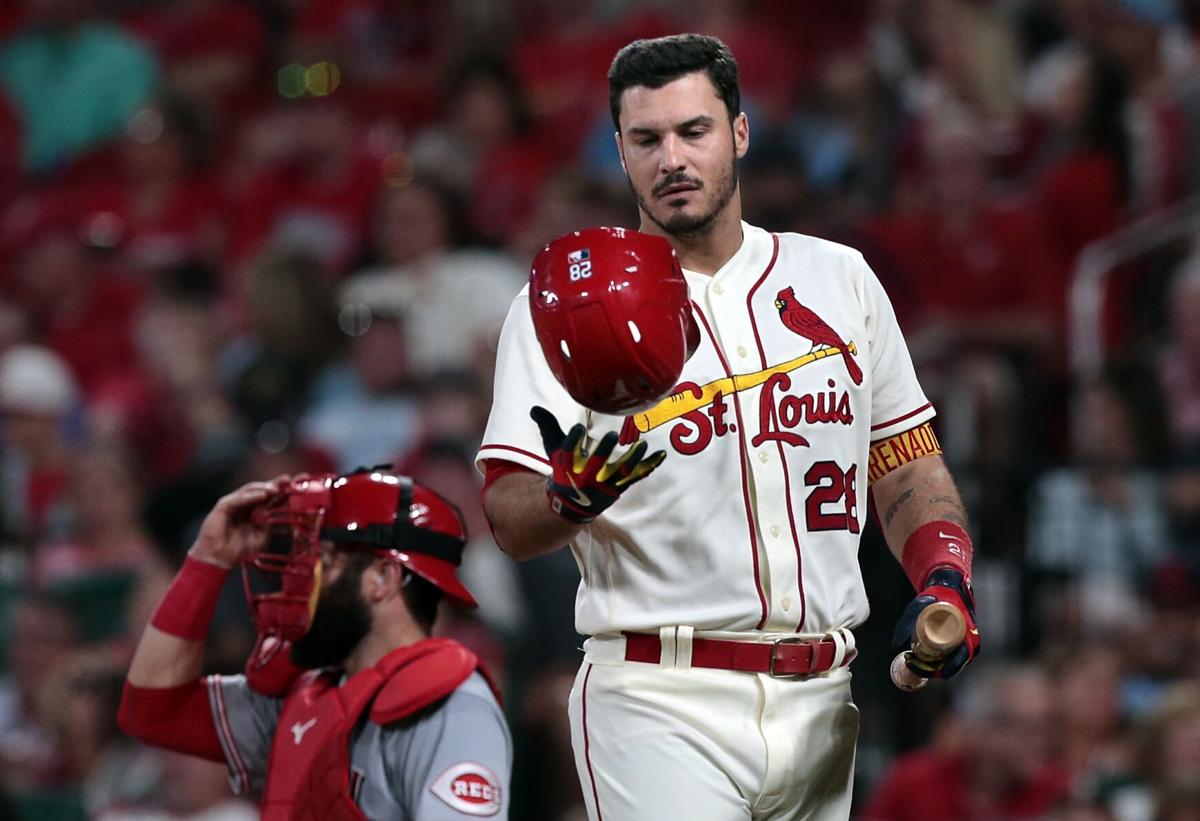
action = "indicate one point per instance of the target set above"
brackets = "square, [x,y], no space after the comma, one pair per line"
[458,762]
[523,379]
[897,401]
[174,718]
[245,723]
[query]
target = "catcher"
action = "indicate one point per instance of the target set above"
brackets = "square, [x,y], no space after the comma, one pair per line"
[348,709]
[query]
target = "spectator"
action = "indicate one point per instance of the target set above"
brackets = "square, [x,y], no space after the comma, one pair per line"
[105,534]
[485,152]
[213,51]
[1179,358]
[364,410]
[1004,769]
[1100,524]
[1082,162]
[43,635]
[37,397]
[74,80]
[454,299]
[78,304]
[301,180]
[293,335]
[1094,747]
[170,214]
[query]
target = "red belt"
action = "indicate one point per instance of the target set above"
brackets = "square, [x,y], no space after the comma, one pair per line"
[783,657]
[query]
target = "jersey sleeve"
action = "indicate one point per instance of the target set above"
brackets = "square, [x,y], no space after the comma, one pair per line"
[457,762]
[246,723]
[897,401]
[523,379]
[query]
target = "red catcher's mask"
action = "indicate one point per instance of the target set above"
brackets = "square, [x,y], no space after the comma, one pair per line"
[370,509]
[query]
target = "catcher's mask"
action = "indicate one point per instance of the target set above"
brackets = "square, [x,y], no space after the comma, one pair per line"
[370,509]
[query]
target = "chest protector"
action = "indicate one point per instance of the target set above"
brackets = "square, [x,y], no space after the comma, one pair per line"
[308,775]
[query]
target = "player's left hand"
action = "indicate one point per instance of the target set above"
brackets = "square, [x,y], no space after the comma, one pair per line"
[948,585]
[584,485]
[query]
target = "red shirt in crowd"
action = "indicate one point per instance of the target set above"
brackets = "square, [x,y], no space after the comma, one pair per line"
[929,784]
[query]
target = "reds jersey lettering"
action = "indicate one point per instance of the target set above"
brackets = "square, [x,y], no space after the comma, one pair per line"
[801,367]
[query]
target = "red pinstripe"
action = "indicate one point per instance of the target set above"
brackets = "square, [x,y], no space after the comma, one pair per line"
[901,418]
[541,459]
[243,776]
[737,407]
[787,479]
[587,756]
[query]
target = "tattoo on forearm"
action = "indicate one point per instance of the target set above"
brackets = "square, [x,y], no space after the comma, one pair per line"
[956,513]
[890,513]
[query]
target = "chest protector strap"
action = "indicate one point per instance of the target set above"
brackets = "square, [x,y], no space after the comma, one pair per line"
[308,776]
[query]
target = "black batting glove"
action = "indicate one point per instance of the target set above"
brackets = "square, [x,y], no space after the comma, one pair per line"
[948,585]
[584,485]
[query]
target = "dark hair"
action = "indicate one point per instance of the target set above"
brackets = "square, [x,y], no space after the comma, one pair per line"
[422,599]
[654,63]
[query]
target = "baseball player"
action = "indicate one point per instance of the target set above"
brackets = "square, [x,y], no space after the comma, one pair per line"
[717,531]
[365,716]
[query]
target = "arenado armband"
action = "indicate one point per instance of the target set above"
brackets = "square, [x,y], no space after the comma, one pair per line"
[888,454]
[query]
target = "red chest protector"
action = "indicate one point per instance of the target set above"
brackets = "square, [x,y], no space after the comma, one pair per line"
[308,775]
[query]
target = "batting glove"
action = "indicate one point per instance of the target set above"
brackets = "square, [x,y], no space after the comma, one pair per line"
[948,585]
[584,485]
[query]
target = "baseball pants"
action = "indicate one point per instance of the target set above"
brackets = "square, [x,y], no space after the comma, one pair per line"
[664,741]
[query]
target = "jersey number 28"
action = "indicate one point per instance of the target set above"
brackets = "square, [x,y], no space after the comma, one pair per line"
[833,503]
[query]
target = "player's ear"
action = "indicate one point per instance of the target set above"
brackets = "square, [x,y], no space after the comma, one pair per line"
[741,134]
[383,580]
[620,151]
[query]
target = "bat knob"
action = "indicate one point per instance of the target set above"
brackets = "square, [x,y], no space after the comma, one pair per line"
[903,678]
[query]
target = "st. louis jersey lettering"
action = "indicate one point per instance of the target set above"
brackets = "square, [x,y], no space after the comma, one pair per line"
[753,520]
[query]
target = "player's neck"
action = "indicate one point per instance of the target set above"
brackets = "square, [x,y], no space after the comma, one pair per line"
[706,253]
[383,639]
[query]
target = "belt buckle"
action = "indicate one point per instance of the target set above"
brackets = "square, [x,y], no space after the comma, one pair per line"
[775,646]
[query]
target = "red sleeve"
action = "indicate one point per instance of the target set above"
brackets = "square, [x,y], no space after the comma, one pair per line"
[174,718]
[495,468]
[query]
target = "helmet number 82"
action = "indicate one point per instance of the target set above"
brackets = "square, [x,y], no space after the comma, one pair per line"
[580,270]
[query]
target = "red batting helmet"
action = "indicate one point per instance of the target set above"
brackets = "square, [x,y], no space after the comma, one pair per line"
[370,509]
[612,315]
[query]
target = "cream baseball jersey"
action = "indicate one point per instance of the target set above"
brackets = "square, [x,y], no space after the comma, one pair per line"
[753,520]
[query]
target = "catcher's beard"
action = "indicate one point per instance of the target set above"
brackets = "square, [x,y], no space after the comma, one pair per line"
[681,224]
[340,623]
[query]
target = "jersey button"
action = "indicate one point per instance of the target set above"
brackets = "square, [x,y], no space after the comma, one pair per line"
[742,351]
[775,531]
[718,290]
[787,603]
[763,456]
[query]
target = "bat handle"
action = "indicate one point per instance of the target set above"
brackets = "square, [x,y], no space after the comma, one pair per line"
[939,630]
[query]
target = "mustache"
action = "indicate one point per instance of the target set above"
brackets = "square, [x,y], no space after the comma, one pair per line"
[676,179]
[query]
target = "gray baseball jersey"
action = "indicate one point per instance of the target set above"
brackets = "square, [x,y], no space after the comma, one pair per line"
[450,762]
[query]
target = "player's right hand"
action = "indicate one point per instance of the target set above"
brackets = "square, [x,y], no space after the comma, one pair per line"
[948,585]
[584,485]
[227,532]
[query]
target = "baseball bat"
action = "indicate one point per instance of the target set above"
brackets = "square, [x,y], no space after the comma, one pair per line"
[940,628]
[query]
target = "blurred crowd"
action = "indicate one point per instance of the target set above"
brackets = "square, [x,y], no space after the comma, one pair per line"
[247,237]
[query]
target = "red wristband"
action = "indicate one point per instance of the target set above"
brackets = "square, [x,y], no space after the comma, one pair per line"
[933,545]
[190,601]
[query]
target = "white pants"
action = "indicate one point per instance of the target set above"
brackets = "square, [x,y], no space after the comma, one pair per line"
[655,742]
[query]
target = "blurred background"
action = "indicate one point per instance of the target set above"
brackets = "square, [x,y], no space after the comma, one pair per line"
[245,237]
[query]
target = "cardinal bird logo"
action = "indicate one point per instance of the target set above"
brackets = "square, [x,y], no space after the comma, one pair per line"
[807,324]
